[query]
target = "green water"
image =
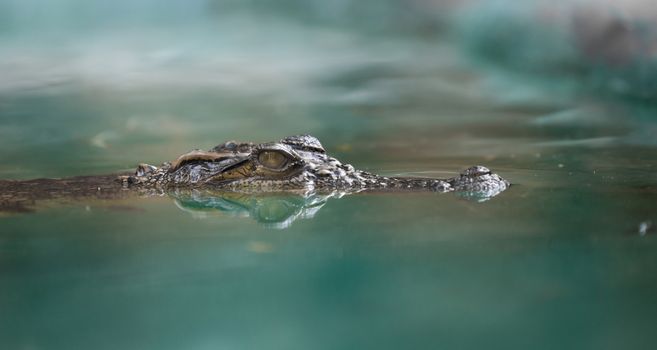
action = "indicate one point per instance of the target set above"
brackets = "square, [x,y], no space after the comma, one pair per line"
[556,261]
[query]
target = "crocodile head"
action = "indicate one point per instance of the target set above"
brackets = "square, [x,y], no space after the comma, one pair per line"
[295,163]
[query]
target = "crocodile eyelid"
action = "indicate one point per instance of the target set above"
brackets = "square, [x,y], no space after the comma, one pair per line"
[198,155]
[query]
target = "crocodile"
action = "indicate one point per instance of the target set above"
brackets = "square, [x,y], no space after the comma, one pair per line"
[298,164]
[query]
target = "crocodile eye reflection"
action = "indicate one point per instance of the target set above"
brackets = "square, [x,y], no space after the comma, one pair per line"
[273,160]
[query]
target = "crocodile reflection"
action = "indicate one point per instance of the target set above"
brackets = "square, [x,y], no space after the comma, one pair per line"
[273,210]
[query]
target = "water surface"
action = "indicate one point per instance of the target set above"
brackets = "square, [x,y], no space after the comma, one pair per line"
[564,258]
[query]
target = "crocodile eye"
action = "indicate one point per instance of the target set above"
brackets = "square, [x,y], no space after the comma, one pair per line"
[272,159]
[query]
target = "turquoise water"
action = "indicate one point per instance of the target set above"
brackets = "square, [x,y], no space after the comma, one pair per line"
[563,259]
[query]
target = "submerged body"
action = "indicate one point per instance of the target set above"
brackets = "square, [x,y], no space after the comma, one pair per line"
[296,164]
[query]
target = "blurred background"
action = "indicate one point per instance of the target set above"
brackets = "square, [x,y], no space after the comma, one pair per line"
[559,97]
[102,86]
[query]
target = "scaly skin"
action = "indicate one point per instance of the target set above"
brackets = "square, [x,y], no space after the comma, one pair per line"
[295,164]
